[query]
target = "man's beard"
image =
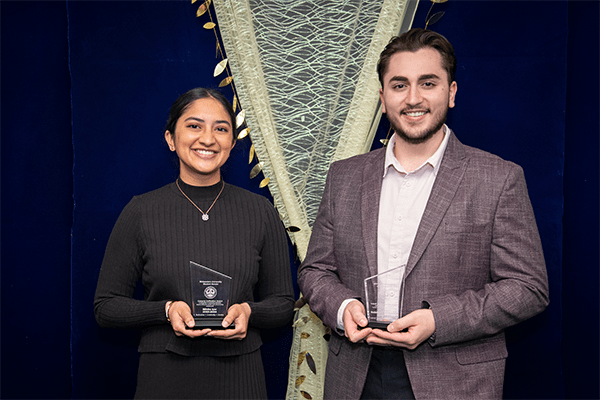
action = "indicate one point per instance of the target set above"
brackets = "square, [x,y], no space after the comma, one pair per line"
[423,136]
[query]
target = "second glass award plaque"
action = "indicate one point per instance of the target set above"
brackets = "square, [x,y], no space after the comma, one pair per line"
[382,297]
[210,296]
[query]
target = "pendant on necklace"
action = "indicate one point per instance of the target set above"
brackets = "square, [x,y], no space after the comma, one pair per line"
[204,217]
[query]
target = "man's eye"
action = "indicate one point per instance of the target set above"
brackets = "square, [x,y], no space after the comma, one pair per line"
[429,84]
[399,86]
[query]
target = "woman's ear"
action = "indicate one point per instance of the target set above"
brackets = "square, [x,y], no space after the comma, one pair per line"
[170,140]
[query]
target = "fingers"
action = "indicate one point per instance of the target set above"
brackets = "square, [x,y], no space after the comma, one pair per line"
[399,325]
[380,337]
[356,313]
[355,319]
[181,319]
[238,314]
[409,331]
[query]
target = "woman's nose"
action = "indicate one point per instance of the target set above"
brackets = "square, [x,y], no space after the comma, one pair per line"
[206,137]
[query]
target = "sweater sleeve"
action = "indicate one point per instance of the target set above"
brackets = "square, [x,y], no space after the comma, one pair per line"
[275,304]
[114,305]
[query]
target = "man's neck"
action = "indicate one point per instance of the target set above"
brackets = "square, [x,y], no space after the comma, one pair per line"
[412,156]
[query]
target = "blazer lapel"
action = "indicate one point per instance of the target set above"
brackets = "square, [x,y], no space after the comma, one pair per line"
[446,184]
[370,195]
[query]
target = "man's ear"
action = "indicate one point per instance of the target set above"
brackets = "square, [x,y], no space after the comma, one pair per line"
[451,97]
[382,101]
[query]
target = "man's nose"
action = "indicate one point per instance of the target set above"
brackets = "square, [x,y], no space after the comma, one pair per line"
[414,96]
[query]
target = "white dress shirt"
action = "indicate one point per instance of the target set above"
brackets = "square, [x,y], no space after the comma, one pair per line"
[404,196]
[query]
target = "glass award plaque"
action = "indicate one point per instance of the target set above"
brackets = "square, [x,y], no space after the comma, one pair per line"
[210,297]
[382,297]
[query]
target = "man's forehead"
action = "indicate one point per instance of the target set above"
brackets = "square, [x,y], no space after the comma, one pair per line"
[424,55]
[423,62]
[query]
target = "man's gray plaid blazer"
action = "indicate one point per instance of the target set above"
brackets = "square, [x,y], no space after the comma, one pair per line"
[477,260]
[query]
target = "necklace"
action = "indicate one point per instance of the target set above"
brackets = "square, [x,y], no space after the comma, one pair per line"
[204,214]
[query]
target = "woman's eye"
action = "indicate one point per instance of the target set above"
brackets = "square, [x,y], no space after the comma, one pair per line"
[193,126]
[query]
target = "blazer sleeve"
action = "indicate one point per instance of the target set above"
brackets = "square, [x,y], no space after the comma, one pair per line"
[518,281]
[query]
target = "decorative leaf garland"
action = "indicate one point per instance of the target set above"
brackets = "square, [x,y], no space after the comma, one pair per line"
[240,121]
[433,18]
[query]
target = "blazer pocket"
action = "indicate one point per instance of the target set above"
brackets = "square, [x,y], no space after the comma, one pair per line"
[458,226]
[484,350]
[335,343]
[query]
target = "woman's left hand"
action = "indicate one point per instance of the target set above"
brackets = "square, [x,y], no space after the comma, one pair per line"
[239,314]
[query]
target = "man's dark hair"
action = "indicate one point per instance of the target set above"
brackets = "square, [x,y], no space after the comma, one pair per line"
[414,40]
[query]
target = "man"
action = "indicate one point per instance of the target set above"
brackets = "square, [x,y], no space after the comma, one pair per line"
[457,222]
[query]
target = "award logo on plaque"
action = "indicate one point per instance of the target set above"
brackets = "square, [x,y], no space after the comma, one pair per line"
[210,297]
[382,297]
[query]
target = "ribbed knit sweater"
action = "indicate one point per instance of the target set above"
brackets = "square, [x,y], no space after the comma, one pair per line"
[156,237]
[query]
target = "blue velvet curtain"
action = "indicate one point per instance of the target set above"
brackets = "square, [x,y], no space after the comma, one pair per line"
[86,92]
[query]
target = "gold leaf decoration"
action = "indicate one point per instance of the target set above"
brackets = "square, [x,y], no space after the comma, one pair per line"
[243,133]
[300,380]
[439,1]
[435,18]
[234,103]
[209,25]
[293,229]
[255,170]
[226,81]
[193,1]
[306,395]
[264,182]
[384,141]
[220,67]
[251,156]
[304,335]
[240,118]
[301,357]
[311,363]
[202,9]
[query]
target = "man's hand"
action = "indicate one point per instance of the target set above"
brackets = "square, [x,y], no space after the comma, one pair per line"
[420,325]
[354,317]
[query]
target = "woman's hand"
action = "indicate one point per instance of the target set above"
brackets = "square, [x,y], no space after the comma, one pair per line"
[181,316]
[239,314]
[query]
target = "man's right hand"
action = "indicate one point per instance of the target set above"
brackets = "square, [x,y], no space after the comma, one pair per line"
[354,317]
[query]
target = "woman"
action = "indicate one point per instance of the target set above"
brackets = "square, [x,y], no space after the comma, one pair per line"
[197,218]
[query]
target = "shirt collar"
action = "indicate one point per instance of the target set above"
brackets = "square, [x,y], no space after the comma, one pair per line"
[434,160]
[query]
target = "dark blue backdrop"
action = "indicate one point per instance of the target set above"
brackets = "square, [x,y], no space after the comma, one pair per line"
[86,91]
